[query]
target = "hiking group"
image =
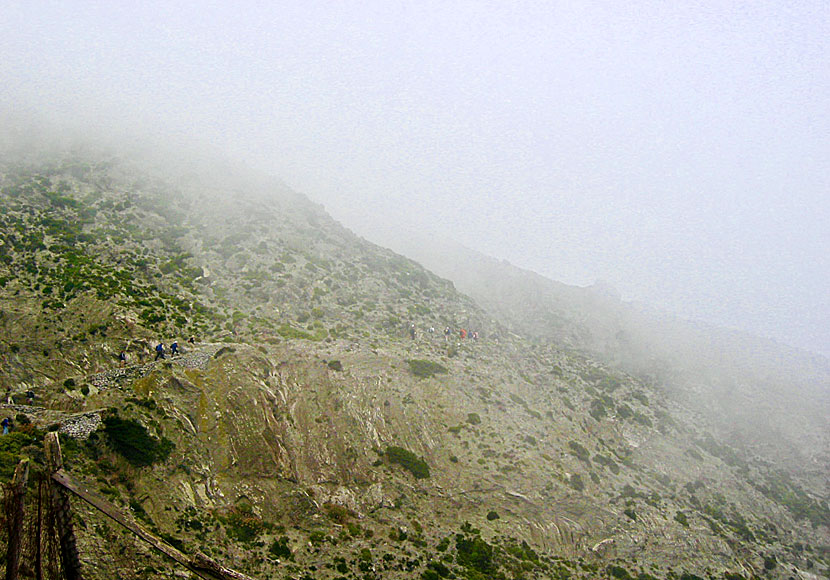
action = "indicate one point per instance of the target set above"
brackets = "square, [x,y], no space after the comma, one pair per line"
[463,333]
[174,349]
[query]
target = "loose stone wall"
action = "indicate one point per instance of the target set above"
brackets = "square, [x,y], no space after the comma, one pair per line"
[77,425]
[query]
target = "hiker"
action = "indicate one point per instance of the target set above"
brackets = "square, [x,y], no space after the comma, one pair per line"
[30,397]
[447,333]
[122,358]
[8,397]
[412,331]
[159,351]
[5,426]
[475,335]
[174,348]
[191,340]
[432,330]
[462,333]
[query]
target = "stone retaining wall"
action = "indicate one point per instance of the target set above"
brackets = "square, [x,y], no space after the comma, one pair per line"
[82,425]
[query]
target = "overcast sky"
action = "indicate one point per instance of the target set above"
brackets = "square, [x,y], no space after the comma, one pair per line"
[677,150]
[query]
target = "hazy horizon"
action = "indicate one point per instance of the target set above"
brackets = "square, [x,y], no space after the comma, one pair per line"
[679,153]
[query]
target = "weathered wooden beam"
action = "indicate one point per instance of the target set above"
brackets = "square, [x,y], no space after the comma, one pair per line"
[17,490]
[202,562]
[70,560]
[200,565]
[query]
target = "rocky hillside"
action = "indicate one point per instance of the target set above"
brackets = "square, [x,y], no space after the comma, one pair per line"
[305,434]
[770,397]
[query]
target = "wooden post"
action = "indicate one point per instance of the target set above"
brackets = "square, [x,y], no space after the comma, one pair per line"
[70,560]
[17,491]
[39,532]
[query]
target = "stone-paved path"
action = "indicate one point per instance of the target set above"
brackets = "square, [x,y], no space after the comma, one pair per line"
[190,359]
[80,425]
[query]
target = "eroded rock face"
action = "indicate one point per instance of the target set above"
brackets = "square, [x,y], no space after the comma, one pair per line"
[276,428]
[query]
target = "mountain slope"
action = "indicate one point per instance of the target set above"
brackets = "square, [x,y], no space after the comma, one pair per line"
[313,437]
[774,399]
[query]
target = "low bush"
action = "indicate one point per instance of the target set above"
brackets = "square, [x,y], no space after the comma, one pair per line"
[575,481]
[279,549]
[243,525]
[579,452]
[409,461]
[474,553]
[424,369]
[131,440]
[338,513]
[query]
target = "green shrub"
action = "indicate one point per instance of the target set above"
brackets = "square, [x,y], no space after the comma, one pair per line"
[409,461]
[579,452]
[10,446]
[618,572]
[492,515]
[279,549]
[607,462]
[131,439]
[338,513]
[335,365]
[173,541]
[642,419]
[424,369]
[597,410]
[476,554]
[473,419]
[288,331]
[575,481]
[680,518]
[624,411]
[243,525]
